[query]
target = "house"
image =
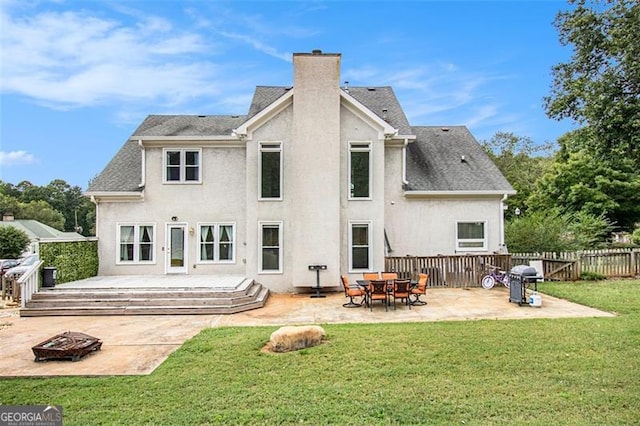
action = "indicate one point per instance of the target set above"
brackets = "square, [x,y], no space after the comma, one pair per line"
[39,232]
[314,174]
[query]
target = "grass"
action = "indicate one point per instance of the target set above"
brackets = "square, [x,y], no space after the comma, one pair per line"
[563,371]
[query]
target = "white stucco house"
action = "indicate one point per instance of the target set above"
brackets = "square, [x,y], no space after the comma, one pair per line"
[318,173]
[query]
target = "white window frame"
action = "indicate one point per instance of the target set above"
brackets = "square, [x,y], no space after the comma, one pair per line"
[270,146]
[216,242]
[369,224]
[471,240]
[261,225]
[183,166]
[136,243]
[360,146]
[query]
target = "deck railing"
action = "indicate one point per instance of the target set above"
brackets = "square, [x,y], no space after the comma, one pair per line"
[29,283]
[448,271]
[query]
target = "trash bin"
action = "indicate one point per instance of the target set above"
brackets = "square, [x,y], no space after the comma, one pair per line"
[48,277]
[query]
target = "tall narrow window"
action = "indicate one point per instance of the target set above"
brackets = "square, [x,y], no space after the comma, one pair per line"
[471,236]
[127,243]
[217,242]
[360,245]
[146,243]
[136,243]
[270,246]
[225,242]
[359,170]
[182,166]
[270,164]
[207,243]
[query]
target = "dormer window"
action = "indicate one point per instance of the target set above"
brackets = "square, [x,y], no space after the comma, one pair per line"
[182,165]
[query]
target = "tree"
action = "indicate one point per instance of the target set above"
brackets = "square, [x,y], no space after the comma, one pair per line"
[521,162]
[582,182]
[13,242]
[42,212]
[600,86]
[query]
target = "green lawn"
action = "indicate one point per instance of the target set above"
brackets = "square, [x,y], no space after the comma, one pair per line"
[559,371]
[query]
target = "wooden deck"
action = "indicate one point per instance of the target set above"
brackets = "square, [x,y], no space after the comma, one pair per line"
[149,295]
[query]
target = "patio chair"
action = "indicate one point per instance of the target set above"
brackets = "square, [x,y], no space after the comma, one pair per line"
[370,276]
[389,276]
[419,290]
[378,291]
[402,291]
[351,292]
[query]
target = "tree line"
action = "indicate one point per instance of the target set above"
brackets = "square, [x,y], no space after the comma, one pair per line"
[57,204]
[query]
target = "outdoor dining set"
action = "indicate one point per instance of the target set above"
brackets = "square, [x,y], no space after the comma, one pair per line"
[384,287]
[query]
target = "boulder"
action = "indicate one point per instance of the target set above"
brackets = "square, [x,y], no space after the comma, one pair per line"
[293,338]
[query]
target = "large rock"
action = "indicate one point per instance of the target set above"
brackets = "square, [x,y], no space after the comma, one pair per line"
[290,338]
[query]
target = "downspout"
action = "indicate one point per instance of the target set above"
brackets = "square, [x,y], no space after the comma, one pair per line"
[94,201]
[501,246]
[142,165]
[404,162]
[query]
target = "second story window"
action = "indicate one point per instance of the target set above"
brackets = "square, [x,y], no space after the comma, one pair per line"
[270,170]
[182,165]
[359,170]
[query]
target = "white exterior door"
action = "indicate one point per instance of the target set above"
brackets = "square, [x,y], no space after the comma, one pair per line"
[176,252]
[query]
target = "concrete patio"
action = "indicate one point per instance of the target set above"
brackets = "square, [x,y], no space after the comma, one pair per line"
[136,345]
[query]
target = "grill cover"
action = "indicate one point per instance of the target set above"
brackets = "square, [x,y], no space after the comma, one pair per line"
[524,270]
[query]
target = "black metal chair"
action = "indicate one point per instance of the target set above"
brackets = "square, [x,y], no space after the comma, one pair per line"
[378,291]
[402,291]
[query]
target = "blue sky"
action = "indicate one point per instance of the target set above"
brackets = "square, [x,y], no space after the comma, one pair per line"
[78,77]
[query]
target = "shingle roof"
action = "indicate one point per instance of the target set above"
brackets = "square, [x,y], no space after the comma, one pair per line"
[123,173]
[265,96]
[378,99]
[189,125]
[434,162]
[38,230]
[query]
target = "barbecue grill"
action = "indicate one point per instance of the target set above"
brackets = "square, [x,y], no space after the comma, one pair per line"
[521,277]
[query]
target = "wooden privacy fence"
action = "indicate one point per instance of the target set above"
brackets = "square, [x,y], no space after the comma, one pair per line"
[459,271]
[448,271]
[612,263]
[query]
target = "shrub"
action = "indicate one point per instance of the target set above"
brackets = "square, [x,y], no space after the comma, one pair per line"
[592,276]
[73,261]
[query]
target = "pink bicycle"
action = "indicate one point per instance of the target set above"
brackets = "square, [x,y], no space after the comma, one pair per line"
[495,275]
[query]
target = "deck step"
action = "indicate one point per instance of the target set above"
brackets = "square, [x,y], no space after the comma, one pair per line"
[149,301]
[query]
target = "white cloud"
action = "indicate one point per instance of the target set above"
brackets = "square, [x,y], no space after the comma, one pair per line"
[72,59]
[16,158]
[439,93]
